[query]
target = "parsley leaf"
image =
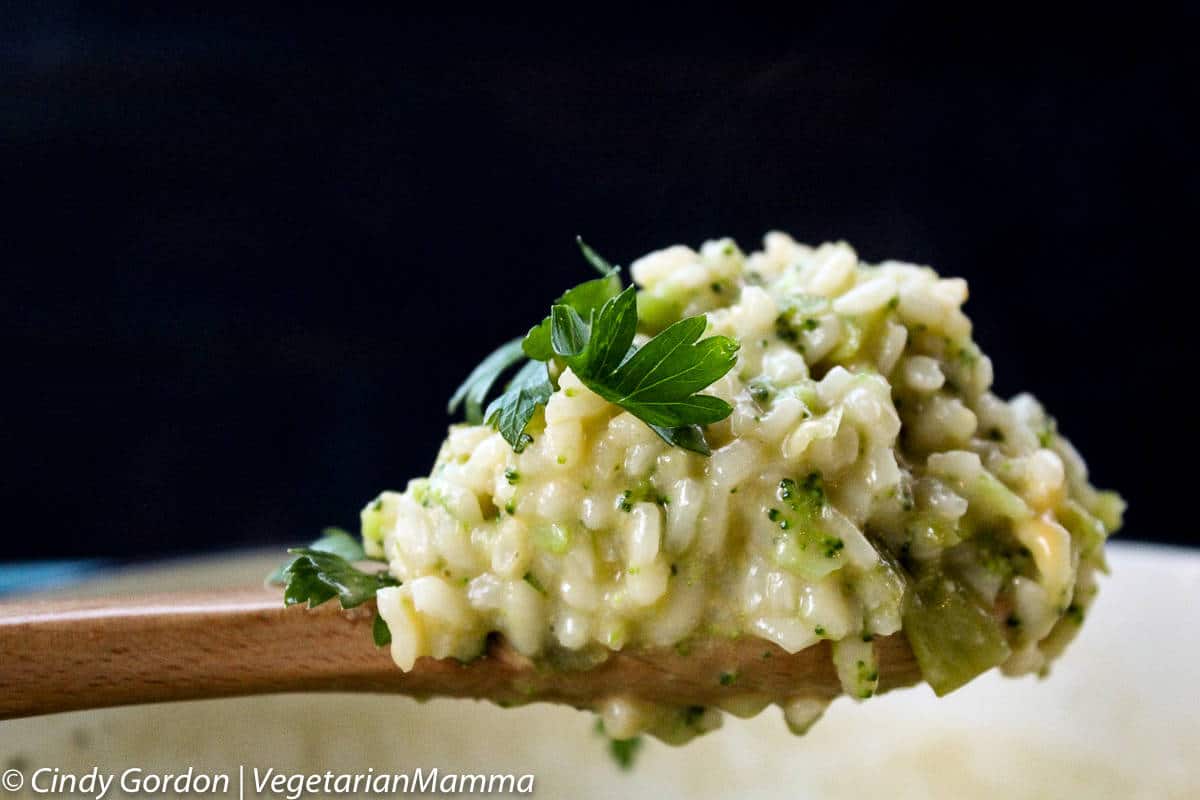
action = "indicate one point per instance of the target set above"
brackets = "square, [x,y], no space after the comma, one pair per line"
[324,570]
[568,331]
[510,412]
[591,329]
[612,332]
[530,387]
[316,576]
[584,299]
[658,382]
[475,388]
[333,540]
[689,437]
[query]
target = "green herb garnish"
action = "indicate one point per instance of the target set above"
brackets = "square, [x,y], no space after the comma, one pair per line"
[591,329]
[316,576]
[333,540]
[477,385]
[583,299]
[325,570]
[657,383]
[510,412]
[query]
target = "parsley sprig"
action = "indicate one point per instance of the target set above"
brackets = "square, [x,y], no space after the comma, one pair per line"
[510,412]
[591,329]
[659,382]
[325,570]
[477,385]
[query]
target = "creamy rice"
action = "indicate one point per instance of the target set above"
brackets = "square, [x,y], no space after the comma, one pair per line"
[864,448]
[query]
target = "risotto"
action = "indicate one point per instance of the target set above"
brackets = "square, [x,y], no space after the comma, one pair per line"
[863,482]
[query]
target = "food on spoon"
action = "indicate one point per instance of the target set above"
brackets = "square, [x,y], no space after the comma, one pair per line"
[790,445]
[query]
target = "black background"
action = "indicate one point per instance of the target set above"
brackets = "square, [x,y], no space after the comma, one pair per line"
[248,256]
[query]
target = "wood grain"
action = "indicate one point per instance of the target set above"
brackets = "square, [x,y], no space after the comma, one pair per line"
[68,655]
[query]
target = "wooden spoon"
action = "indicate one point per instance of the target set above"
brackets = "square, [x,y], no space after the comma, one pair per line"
[67,655]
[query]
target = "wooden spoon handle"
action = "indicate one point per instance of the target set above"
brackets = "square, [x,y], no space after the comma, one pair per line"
[64,655]
[67,655]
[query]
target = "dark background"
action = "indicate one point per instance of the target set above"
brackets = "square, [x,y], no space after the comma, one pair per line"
[248,256]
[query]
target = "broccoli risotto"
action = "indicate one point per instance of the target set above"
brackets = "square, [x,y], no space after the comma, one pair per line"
[791,445]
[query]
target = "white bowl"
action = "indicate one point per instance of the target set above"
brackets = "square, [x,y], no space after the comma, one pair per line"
[1118,717]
